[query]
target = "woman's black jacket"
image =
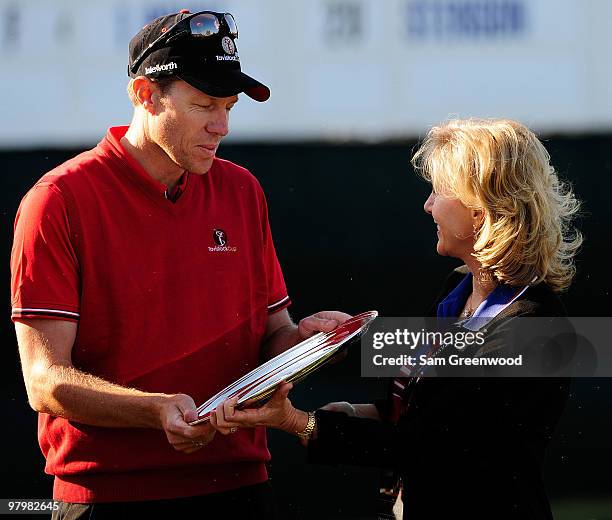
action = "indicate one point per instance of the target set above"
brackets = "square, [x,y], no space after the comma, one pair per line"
[466,448]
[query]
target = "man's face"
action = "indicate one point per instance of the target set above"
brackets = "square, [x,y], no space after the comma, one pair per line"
[189,125]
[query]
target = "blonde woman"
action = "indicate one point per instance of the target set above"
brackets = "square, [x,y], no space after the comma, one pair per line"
[465,448]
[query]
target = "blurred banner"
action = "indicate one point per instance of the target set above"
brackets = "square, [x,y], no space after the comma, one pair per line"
[338,69]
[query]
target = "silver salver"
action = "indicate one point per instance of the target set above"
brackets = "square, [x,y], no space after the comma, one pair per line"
[292,365]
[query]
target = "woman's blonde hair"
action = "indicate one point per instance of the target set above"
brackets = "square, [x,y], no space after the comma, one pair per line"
[500,167]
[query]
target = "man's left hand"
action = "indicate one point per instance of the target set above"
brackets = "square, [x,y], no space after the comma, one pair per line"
[324,321]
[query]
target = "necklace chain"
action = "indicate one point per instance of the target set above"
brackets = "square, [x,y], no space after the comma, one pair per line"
[469,310]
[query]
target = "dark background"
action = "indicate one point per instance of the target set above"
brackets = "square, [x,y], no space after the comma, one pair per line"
[351,235]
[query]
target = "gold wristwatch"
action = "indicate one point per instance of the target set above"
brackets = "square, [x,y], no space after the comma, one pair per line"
[306,433]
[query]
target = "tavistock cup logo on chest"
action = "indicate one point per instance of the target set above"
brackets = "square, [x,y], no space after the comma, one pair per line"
[221,245]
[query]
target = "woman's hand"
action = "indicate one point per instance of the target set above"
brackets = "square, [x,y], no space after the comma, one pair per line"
[277,413]
[364,411]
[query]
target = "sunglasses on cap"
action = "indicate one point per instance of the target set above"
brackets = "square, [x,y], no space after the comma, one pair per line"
[197,25]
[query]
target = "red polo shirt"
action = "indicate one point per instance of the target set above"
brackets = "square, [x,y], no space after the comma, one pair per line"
[171,294]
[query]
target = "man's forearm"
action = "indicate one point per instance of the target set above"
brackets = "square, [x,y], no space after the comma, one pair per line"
[65,391]
[282,339]
[282,334]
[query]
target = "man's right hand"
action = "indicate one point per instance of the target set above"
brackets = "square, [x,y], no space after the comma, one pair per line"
[176,411]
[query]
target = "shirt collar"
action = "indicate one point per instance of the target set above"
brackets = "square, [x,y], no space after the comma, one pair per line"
[501,297]
[450,306]
[497,300]
[178,190]
[112,144]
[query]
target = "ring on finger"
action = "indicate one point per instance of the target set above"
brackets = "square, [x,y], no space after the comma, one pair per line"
[199,444]
[233,429]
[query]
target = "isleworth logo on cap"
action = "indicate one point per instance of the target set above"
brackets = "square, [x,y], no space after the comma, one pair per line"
[161,68]
[198,48]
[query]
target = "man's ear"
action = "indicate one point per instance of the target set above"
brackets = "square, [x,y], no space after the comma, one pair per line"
[143,92]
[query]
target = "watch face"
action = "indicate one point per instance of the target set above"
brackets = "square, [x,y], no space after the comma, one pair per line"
[292,365]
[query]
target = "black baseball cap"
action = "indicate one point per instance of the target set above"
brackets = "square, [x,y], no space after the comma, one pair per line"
[199,48]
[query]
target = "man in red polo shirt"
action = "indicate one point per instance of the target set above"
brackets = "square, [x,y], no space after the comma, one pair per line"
[144,280]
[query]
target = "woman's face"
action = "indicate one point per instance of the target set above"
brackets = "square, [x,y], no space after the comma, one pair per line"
[455,225]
